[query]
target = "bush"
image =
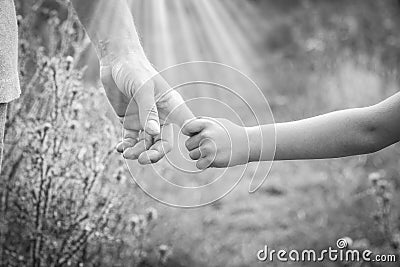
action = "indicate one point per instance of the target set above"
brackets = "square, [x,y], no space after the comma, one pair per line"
[59,199]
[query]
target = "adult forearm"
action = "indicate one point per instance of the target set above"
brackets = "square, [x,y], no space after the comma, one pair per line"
[110,26]
[336,134]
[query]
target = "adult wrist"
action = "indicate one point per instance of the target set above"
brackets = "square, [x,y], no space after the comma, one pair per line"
[110,50]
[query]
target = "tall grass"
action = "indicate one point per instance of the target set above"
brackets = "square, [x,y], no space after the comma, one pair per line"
[60,200]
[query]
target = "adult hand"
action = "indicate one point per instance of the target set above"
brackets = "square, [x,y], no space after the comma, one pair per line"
[148,134]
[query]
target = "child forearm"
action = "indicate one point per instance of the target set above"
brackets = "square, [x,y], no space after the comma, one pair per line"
[110,26]
[336,134]
[221,143]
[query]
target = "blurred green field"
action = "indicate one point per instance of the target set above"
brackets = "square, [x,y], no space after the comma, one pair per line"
[308,57]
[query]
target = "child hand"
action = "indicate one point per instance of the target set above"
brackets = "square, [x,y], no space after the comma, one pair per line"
[216,142]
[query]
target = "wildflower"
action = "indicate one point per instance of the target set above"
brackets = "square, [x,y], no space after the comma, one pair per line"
[74,91]
[87,125]
[142,219]
[42,129]
[73,124]
[361,244]
[46,126]
[164,252]
[44,11]
[19,20]
[133,222]
[76,107]
[53,13]
[374,178]
[383,185]
[142,254]
[82,153]
[151,214]
[376,217]
[163,249]
[23,43]
[54,20]
[89,227]
[346,242]
[69,61]
[119,176]
[44,63]
[100,167]
[386,197]
[395,243]
[70,30]
[140,225]
[95,144]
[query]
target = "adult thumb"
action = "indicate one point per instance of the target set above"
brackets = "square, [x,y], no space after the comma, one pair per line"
[148,114]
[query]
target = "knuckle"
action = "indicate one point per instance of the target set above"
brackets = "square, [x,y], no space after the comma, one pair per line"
[169,143]
[206,149]
[166,147]
[208,144]
[208,123]
[142,87]
[151,111]
[144,83]
[210,158]
[204,134]
[170,97]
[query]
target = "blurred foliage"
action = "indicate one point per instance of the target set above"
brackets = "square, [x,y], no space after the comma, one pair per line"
[362,26]
[327,53]
[62,188]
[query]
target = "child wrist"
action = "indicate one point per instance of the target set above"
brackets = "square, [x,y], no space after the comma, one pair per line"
[254,137]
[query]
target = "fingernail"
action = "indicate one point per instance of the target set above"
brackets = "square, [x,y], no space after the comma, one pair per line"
[152,127]
[151,156]
[131,135]
[120,147]
[130,154]
[130,141]
[124,145]
[144,159]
